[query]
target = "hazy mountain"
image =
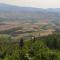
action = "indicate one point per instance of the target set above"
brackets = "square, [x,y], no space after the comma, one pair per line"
[6,7]
[15,13]
[53,10]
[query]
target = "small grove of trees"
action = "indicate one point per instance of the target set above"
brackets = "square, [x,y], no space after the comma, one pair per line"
[52,41]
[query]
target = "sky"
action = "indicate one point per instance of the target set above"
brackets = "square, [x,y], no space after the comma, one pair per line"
[34,3]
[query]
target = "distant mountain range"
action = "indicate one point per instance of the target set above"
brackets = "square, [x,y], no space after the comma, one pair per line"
[11,8]
[27,14]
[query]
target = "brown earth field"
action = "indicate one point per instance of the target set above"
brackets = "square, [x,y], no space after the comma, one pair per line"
[7,26]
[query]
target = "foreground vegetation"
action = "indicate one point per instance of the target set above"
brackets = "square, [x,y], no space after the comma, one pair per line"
[42,48]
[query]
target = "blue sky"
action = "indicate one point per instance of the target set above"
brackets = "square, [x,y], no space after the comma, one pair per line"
[34,3]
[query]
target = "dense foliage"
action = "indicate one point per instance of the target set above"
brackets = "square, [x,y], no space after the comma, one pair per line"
[42,48]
